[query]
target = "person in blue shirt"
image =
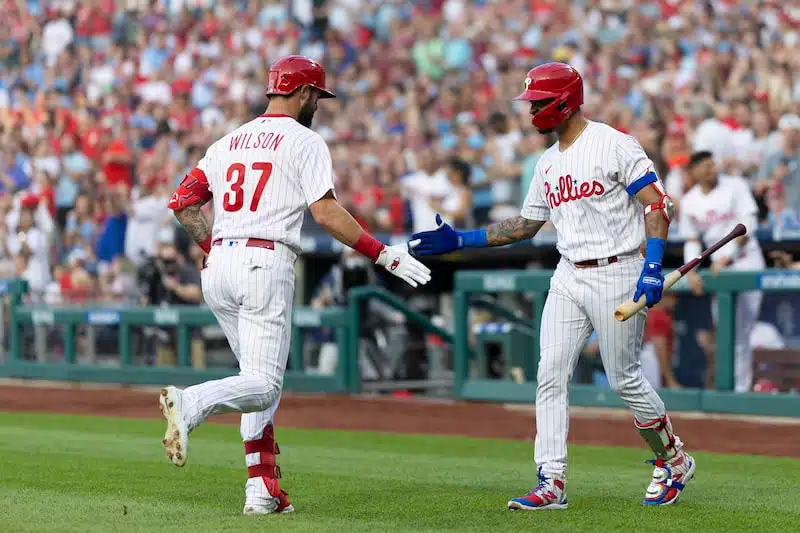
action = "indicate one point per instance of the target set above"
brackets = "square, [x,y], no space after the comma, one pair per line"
[12,177]
[111,241]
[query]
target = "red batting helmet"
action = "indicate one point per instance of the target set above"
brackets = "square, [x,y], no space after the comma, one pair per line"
[291,72]
[558,81]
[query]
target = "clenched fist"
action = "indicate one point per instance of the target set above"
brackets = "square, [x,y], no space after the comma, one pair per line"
[398,261]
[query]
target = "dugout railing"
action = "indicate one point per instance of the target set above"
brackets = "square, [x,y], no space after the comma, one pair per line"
[66,320]
[535,283]
[463,380]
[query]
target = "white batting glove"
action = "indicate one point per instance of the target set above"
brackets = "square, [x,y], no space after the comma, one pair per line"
[398,261]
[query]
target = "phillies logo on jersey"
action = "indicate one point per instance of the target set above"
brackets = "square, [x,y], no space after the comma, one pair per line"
[568,190]
[712,218]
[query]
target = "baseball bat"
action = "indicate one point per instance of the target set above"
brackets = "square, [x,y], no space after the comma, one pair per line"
[629,308]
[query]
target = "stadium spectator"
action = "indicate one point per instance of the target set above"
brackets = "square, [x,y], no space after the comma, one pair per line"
[532,147]
[27,243]
[171,279]
[428,183]
[81,225]
[780,216]
[6,259]
[456,207]
[782,166]
[111,238]
[147,213]
[75,168]
[502,170]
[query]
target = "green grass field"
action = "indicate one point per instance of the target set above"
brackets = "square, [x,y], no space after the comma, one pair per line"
[86,474]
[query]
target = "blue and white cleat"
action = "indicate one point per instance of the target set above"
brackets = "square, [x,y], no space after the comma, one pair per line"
[548,494]
[669,479]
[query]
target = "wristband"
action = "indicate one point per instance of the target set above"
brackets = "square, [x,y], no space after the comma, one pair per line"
[472,239]
[368,246]
[206,244]
[654,251]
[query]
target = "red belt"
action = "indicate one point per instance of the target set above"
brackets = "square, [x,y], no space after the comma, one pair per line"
[251,243]
[597,262]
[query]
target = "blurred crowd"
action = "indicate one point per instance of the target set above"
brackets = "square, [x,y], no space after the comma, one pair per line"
[105,104]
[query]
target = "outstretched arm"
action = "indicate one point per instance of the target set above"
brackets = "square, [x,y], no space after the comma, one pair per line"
[340,224]
[512,230]
[445,239]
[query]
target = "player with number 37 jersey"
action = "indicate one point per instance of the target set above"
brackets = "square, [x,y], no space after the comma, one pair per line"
[263,175]
[261,178]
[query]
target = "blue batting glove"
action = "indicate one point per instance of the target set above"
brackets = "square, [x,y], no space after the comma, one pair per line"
[442,240]
[651,284]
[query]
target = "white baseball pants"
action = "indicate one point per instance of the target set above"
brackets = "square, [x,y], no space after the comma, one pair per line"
[250,290]
[581,300]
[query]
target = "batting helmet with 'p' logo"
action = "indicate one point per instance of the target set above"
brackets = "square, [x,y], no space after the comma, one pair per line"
[559,83]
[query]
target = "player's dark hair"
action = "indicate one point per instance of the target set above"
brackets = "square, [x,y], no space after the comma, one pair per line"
[461,167]
[497,120]
[699,157]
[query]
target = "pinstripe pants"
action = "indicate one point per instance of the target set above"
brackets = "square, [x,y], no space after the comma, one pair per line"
[250,291]
[581,300]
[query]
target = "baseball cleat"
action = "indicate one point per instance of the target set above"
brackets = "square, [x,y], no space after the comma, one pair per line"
[548,494]
[669,479]
[176,439]
[279,504]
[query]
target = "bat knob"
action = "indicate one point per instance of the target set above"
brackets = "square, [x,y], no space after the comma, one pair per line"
[740,230]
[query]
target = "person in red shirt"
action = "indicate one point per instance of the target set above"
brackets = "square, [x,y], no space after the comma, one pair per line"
[93,140]
[118,164]
[656,354]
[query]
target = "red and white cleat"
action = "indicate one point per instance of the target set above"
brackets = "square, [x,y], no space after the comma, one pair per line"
[548,494]
[261,501]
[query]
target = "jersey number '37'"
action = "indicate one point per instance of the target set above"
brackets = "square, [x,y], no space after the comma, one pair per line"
[233,200]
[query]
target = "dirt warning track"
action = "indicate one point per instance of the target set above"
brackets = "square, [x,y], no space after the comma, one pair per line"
[421,416]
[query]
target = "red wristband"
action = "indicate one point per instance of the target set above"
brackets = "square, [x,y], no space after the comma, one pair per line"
[206,245]
[368,246]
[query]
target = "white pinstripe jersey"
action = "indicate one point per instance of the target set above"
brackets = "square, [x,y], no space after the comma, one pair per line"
[709,217]
[263,176]
[588,192]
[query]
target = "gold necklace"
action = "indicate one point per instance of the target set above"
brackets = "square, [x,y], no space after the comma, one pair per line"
[574,139]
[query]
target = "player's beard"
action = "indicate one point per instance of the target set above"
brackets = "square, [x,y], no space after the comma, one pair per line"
[306,116]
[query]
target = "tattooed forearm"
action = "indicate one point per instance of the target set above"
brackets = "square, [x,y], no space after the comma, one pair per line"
[512,230]
[655,225]
[195,222]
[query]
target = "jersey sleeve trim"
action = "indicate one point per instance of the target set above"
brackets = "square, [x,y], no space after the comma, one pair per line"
[640,183]
[539,214]
[314,198]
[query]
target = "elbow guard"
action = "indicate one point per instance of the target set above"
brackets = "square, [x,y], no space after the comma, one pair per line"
[665,205]
[193,190]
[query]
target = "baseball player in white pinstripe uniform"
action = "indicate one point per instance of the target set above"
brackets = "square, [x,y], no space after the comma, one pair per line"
[710,210]
[598,188]
[261,178]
